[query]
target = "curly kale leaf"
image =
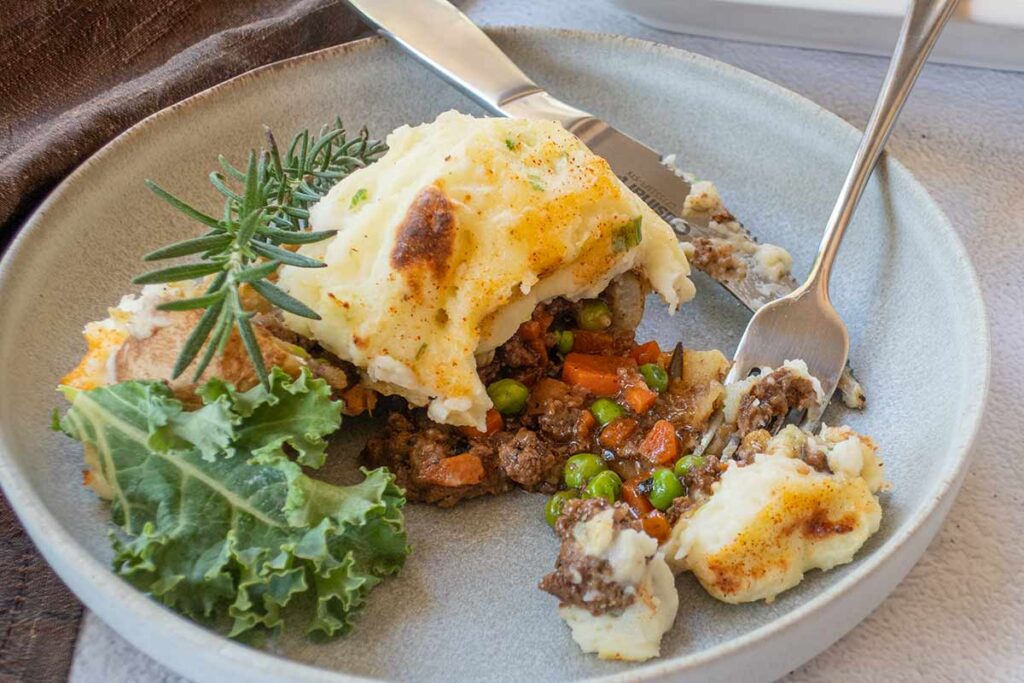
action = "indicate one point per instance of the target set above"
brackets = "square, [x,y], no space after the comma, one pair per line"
[217,515]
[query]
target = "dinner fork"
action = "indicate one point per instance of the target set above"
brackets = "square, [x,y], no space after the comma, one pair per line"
[805,325]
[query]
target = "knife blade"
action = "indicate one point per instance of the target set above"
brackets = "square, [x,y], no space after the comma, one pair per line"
[467,58]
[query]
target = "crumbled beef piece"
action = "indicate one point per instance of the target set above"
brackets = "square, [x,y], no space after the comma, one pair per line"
[679,507]
[753,443]
[772,396]
[583,580]
[816,457]
[699,481]
[412,448]
[558,414]
[717,258]
[528,461]
[524,357]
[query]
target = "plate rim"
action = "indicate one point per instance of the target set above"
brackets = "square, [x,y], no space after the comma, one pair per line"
[77,567]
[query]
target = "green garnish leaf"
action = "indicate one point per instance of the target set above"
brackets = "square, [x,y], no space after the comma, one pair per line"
[284,301]
[270,209]
[204,301]
[628,235]
[535,182]
[188,247]
[257,272]
[358,198]
[177,273]
[217,518]
[511,144]
[284,256]
[289,237]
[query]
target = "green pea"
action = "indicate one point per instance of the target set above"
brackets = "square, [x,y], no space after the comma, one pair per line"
[509,396]
[564,340]
[605,485]
[687,464]
[594,314]
[665,488]
[606,410]
[655,376]
[581,468]
[553,509]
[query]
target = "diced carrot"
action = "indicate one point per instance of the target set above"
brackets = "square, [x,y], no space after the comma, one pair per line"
[532,332]
[633,497]
[656,525]
[661,446]
[531,329]
[640,399]
[543,318]
[494,424]
[615,434]
[597,374]
[646,353]
[585,425]
[587,341]
[458,470]
[359,399]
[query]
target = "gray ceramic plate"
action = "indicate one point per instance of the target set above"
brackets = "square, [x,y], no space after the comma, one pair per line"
[466,606]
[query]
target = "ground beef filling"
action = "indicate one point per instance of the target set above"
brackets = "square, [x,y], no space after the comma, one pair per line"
[583,580]
[529,450]
[415,449]
[773,396]
[717,258]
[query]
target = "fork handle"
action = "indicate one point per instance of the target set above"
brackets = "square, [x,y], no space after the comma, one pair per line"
[922,25]
[447,41]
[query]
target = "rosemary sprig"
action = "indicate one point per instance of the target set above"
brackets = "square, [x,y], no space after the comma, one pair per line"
[270,209]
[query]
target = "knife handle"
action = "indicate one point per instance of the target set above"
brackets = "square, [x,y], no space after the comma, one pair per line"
[443,38]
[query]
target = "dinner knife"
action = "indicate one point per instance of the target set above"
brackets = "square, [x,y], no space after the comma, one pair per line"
[449,43]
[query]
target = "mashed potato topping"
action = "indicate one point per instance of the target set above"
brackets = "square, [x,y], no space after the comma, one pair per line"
[771,521]
[634,634]
[448,242]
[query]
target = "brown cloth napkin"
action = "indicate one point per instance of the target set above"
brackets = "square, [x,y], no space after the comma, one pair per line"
[74,74]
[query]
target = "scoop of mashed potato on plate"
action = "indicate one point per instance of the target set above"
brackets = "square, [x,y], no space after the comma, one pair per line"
[617,592]
[769,522]
[448,242]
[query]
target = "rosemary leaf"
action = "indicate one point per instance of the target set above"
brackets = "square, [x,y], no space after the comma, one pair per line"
[259,272]
[196,339]
[283,301]
[229,169]
[217,180]
[298,213]
[292,237]
[221,324]
[204,301]
[284,256]
[178,273]
[325,140]
[196,245]
[251,346]
[247,228]
[182,206]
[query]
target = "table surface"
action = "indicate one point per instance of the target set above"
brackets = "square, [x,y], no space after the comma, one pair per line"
[959,614]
